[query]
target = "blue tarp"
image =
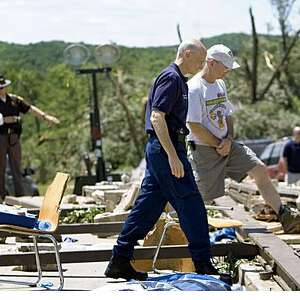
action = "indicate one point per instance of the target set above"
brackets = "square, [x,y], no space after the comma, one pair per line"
[181,282]
[225,233]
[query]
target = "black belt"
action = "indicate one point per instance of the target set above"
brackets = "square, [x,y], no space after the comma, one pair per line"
[175,137]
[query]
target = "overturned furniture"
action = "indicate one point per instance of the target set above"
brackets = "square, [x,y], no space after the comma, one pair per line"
[49,214]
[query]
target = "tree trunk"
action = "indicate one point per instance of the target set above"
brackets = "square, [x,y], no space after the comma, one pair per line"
[280,66]
[122,100]
[254,60]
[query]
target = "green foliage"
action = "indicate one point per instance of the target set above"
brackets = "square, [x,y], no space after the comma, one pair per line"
[265,119]
[81,216]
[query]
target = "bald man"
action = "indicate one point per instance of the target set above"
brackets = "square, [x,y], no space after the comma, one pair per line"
[168,175]
[291,156]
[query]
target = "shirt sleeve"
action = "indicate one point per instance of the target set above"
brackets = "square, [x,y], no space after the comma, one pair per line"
[286,150]
[22,105]
[165,95]
[194,103]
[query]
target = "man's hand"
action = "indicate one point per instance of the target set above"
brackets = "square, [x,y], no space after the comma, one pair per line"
[51,120]
[176,166]
[224,148]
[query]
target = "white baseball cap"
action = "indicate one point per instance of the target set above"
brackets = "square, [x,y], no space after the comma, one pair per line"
[222,54]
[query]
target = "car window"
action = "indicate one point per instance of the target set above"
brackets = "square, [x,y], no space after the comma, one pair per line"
[275,155]
[265,156]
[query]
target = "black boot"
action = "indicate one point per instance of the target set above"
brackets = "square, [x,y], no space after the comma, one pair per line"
[120,267]
[205,268]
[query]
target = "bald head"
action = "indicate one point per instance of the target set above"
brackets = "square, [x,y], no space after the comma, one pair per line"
[296,134]
[191,56]
[193,45]
[296,130]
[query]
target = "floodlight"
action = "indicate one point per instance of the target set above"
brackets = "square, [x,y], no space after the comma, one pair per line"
[107,55]
[76,54]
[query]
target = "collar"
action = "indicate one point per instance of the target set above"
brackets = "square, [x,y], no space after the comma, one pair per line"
[4,98]
[176,68]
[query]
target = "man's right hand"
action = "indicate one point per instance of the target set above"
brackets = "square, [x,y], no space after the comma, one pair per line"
[224,148]
[176,166]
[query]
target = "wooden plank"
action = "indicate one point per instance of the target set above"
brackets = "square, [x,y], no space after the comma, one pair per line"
[290,238]
[68,207]
[280,256]
[247,187]
[223,223]
[238,213]
[109,228]
[128,199]
[238,250]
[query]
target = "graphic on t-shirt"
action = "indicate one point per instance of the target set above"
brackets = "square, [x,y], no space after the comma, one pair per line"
[216,112]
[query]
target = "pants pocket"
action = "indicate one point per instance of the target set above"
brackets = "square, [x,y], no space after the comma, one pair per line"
[185,186]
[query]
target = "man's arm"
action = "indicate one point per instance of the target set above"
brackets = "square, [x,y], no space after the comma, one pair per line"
[225,145]
[202,133]
[230,129]
[43,116]
[161,129]
[285,163]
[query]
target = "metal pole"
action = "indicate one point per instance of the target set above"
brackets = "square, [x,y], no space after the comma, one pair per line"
[97,135]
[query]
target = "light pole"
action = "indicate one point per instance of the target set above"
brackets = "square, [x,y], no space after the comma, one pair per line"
[105,55]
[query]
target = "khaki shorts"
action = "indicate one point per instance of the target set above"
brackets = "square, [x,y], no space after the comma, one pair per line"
[292,177]
[210,169]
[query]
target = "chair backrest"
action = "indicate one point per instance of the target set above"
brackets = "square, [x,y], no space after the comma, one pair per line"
[50,211]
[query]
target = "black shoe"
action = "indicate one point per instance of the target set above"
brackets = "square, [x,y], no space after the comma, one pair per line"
[120,267]
[289,219]
[205,268]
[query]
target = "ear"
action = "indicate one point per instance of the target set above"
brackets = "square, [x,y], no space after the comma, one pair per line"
[187,52]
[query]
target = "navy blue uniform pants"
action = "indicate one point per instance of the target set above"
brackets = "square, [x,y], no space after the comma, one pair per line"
[158,187]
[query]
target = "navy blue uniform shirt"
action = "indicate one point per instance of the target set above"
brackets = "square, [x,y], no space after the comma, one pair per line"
[13,106]
[169,94]
[292,153]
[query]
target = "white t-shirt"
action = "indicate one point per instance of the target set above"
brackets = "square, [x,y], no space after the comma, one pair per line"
[209,106]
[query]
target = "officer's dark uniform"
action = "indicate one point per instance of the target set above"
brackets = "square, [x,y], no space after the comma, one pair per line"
[169,95]
[10,142]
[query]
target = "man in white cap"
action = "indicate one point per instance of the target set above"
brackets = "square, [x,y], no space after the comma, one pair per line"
[11,106]
[213,152]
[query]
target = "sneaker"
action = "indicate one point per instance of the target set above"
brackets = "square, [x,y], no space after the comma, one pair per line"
[289,219]
[120,267]
[205,268]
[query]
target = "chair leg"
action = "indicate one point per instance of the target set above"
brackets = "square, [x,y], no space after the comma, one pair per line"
[167,225]
[58,263]
[37,259]
[38,266]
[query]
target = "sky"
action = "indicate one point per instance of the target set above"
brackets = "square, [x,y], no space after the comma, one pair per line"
[138,23]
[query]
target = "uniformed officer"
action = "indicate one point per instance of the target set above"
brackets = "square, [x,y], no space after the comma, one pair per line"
[10,130]
[168,175]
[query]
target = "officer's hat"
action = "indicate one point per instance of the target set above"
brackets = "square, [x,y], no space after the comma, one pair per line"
[4,82]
